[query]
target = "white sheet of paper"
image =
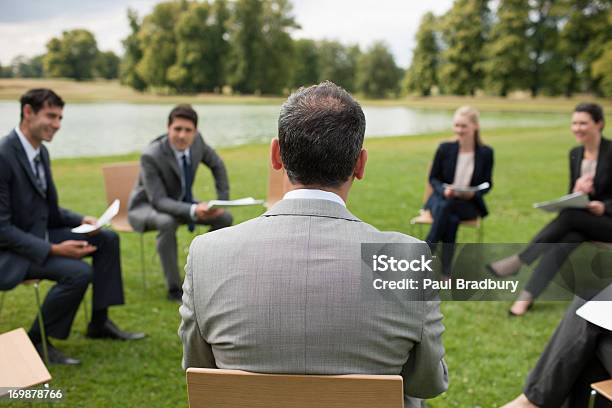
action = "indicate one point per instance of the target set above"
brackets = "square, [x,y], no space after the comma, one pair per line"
[597,311]
[234,203]
[574,200]
[104,219]
[467,189]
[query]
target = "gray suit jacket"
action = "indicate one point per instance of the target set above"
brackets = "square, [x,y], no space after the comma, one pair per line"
[159,183]
[282,293]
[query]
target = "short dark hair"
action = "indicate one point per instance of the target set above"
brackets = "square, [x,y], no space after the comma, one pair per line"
[320,133]
[593,109]
[184,111]
[39,97]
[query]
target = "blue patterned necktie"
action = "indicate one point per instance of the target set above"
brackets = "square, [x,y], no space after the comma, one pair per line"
[188,196]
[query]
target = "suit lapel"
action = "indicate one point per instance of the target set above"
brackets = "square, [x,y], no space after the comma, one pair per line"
[477,165]
[601,157]
[196,151]
[452,163]
[23,161]
[167,150]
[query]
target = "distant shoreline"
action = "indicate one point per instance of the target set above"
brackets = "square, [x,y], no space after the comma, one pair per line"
[103,91]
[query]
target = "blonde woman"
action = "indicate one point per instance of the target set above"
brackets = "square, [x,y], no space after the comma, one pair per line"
[464,162]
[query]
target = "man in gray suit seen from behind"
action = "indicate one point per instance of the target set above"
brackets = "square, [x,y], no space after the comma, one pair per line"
[282,293]
[163,199]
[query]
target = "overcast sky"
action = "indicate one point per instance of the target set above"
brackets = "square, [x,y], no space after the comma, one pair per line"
[26,25]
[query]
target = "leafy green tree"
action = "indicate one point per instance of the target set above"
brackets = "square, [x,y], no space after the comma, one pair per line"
[338,63]
[545,64]
[24,67]
[422,75]
[278,46]
[202,48]
[464,31]
[507,58]
[6,72]
[133,54]
[158,43]
[585,30]
[73,55]
[247,41]
[306,63]
[377,73]
[107,65]
[601,70]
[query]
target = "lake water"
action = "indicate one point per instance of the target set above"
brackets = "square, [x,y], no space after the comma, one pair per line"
[96,129]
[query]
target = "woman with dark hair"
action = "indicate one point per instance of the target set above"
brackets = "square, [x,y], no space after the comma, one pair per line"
[465,162]
[590,174]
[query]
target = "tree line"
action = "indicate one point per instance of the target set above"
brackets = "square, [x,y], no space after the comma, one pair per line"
[73,55]
[552,47]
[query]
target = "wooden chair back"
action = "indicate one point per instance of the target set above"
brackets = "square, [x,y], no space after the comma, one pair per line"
[20,364]
[119,180]
[215,388]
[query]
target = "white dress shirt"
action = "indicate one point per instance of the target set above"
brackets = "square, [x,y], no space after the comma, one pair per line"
[179,159]
[313,194]
[31,152]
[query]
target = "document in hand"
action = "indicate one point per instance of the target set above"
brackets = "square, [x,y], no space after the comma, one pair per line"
[234,203]
[597,310]
[104,219]
[468,189]
[574,200]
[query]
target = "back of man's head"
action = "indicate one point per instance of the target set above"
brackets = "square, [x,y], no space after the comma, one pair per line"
[320,133]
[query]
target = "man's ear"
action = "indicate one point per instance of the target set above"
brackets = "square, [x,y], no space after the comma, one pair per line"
[27,111]
[275,157]
[359,171]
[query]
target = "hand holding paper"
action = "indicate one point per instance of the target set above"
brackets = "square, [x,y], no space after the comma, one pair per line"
[104,219]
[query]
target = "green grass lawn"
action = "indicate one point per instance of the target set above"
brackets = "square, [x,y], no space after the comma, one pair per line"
[488,353]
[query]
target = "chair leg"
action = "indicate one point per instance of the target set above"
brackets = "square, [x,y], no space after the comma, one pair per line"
[41,324]
[142,262]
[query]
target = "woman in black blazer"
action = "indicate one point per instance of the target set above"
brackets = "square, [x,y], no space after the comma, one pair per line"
[462,163]
[590,173]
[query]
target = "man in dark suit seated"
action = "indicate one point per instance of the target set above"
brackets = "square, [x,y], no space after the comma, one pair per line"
[163,199]
[35,237]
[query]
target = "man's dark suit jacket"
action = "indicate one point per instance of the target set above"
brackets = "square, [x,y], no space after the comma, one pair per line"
[602,182]
[26,212]
[159,184]
[443,170]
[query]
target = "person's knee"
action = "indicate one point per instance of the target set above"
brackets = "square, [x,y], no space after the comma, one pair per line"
[166,223]
[226,220]
[109,237]
[81,274]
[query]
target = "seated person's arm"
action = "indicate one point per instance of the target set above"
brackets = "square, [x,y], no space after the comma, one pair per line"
[12,238]
[214,162]
[157,193]
[488,172]
[435,174]
[70,219]
[196,351]
[425,373]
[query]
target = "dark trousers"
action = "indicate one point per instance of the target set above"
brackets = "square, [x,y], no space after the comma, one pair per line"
[578,354]
[447,214]
[167,225]
[72,277]
[571,228]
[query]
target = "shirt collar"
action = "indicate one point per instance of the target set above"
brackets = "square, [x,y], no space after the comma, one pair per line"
[313,194]
[30,151]
[179,155]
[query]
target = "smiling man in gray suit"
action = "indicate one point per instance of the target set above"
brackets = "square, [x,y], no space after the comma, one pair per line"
[163,199]
[283,293]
